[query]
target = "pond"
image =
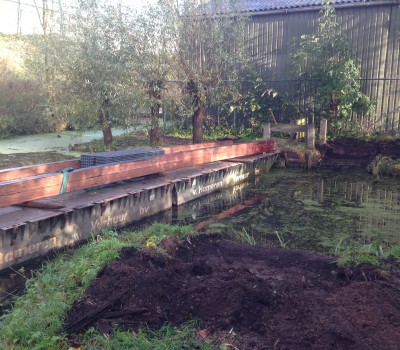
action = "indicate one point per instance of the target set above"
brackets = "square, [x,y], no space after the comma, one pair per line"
[310,211]
[51,142]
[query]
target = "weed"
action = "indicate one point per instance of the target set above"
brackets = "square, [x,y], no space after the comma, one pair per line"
[243,236]
[384,166]
[373,253]
[281,239]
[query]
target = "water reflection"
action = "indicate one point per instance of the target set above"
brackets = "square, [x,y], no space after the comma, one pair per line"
[315,211]
[311,211]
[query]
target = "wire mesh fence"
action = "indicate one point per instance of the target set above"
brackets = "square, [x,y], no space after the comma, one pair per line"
[384,92]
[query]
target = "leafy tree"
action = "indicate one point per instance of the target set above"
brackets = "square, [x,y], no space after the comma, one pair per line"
[87,66]
[209,54]
[152,41]
[96,86]
[20,109]
[328,72]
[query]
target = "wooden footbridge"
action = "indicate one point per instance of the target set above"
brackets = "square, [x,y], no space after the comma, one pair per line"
[52,205]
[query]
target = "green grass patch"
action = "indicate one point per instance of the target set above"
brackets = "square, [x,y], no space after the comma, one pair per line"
[166,338]
[37,317]
[373,253]
[242,236]
[153,234]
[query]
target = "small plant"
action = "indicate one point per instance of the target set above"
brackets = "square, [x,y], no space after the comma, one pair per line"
[373,253]
[384,166]
[243,236]
[329,74]
[281,240]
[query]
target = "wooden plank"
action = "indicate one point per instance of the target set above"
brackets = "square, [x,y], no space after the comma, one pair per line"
[21,172]
[47,185]
[230,211]
[168,150]
[27,171]
[288,128]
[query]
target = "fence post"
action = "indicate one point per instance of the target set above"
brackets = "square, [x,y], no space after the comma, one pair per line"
[293,134]
[266,131]
[310,136]
[323,127]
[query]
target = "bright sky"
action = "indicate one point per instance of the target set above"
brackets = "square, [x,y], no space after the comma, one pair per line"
[28,19]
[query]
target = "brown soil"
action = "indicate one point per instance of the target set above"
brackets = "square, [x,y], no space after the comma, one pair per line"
[348,152]
[250,296]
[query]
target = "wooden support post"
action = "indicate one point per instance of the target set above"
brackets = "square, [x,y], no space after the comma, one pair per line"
[293,133]
[310,136]
[266,131]
[323,127]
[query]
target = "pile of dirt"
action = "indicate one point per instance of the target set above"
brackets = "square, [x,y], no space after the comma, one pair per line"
[355,152]
[250,296]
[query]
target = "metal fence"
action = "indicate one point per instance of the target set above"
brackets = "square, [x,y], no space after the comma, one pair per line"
[385,92]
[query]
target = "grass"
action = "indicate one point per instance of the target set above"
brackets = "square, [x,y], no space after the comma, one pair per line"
[242,236]
[153,234]
[281,240]
[373,253]
[384,166]
[167,338]
[36,319]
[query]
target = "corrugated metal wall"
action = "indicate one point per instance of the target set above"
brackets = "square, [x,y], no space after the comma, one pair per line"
[374,34]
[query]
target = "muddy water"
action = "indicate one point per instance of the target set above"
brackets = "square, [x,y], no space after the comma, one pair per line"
[311,211]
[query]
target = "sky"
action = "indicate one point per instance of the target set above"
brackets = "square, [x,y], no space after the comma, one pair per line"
[28,18]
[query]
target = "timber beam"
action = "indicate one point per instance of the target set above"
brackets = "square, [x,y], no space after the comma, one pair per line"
[47,185]
[33,170]
[182,148]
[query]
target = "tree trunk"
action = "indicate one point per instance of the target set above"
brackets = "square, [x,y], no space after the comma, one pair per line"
[198,112]
[197,122]
[107,134]
[155,126]
[155,89]
[104,117]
